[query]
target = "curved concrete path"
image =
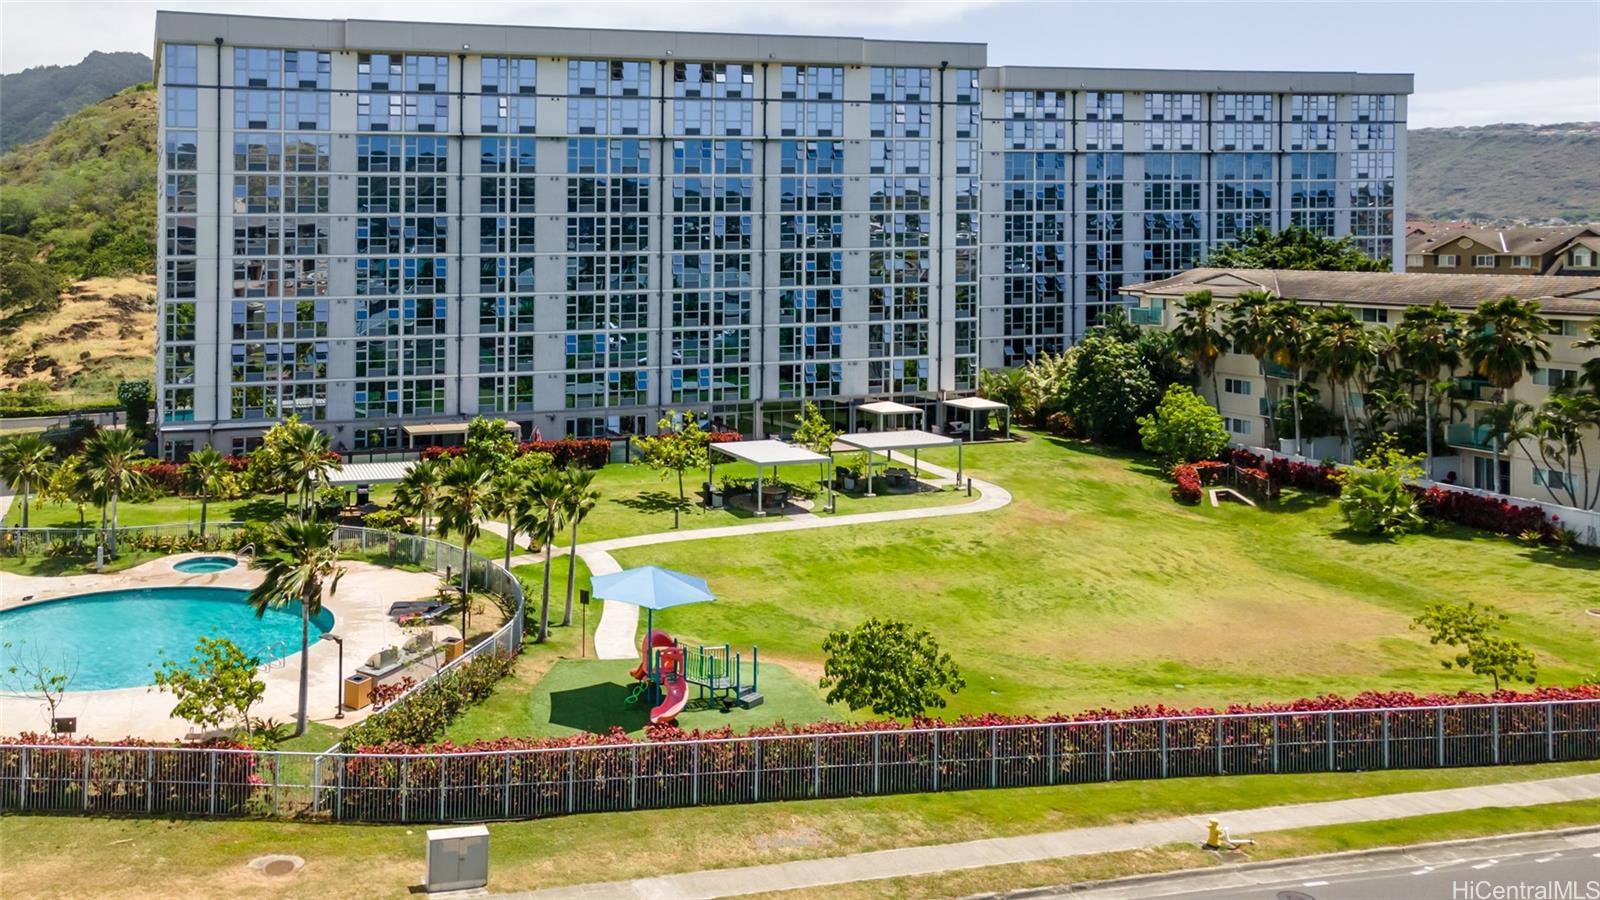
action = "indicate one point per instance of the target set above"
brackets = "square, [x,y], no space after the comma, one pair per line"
[619,622]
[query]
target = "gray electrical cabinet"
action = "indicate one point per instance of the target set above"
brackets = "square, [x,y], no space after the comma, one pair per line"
[458,858]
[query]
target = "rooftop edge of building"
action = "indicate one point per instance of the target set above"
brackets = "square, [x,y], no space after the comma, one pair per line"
[540,40]
[1066,78]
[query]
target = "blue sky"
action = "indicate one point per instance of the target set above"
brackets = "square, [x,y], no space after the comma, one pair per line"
[1476,62]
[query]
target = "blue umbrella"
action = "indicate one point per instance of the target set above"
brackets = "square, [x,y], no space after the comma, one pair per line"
[653,588]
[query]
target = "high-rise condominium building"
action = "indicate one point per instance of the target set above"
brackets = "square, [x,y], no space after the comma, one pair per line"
[380,224]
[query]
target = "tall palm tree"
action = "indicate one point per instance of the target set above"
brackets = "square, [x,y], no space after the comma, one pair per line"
[465,486]
[108,465]
[309,463]
[1559,424]
[1510,425]
[543,523]
[507,499]
[1288,328]
[1343,349]
[25,464]
[1506,340]
[577,501]
[307,567]
[1591,366]
[417,493]
[1249,327]
[1198,333]
[1428,339]
[208,472]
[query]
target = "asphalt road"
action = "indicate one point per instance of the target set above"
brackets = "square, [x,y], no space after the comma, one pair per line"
[1576,877]
[1522,867]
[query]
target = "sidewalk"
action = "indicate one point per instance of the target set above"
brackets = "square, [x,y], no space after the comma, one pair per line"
[614,636]
[930,860]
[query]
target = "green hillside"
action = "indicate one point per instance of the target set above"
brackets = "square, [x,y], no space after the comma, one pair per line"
[33,100]
[1505,173]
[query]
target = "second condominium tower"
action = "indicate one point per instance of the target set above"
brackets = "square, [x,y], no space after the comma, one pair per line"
[381,224]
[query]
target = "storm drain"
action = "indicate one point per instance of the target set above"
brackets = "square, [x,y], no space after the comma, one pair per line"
[277,866]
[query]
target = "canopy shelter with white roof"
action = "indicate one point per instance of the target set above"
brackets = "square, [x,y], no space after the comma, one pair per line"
[882,409]
[885,441]
[436,429]
[767,453]
[370,472]
[981,406]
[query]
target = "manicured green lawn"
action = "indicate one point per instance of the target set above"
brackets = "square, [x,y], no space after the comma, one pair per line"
[64,856]
[1094,588]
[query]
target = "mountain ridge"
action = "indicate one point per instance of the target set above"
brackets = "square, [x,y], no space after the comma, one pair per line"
[33,100]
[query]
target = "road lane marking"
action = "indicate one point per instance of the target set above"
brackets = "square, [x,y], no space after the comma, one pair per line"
[1314,884]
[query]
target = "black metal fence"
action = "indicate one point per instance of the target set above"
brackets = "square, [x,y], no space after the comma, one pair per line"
[523,784]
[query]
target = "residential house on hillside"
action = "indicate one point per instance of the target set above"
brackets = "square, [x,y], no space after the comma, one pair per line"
[1250,391]
[1523,250]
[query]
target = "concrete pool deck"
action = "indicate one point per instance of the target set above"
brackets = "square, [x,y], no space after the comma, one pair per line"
[360,611]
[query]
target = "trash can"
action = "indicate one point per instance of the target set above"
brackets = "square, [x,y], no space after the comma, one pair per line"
[357,691]
[458,859]
[453,646]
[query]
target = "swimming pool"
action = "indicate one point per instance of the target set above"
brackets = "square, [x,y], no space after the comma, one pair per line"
[117,637]
[200,564]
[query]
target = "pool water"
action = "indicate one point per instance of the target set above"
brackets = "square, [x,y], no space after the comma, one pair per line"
[116,638]
[201,564]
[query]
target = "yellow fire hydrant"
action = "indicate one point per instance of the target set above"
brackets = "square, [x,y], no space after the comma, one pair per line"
[1213,834]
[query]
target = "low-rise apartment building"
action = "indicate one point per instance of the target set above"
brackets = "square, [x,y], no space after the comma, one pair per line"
[1250,390]
[1457,249]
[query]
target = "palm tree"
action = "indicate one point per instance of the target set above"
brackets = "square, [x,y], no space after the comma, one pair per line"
[1506,341]
[464,488]
[507,499]
[1559,425]
[108,465]
[543,523]
[1343,350]
[308,566]
[1428,339]
[417,494]
[25,464]
[1509,425]
[1249,326]
[1591,366]
[208,471]
[577,501]
[1197,332]
[308,463]
[1288,330]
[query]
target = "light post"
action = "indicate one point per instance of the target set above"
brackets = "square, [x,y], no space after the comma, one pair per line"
[338,686]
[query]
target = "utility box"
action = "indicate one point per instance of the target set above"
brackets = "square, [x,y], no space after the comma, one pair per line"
[458,858]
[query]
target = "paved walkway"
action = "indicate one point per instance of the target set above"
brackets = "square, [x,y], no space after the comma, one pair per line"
[931,860]
[614,636]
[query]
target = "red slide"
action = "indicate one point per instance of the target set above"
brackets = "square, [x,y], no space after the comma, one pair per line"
[673,685]
[652,640]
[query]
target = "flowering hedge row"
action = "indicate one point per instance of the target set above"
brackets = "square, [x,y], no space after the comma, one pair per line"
[158,777]
[1487,513]
[169,477]
[1325,703]
[1187,489]
[1303,476]
[589,453]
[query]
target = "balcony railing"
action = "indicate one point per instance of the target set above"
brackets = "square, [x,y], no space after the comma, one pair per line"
[1273,370]
[1139,315]
[1476,437]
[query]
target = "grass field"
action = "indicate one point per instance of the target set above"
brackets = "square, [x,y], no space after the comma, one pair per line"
[46,856]
[1094,588]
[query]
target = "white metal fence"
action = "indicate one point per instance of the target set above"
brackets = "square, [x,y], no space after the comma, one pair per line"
[523,784]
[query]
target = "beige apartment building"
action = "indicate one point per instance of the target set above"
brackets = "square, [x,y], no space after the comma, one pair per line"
[1249,391]
[1457,249]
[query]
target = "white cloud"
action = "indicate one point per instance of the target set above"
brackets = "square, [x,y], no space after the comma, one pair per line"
[61,32]
[1536,102]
